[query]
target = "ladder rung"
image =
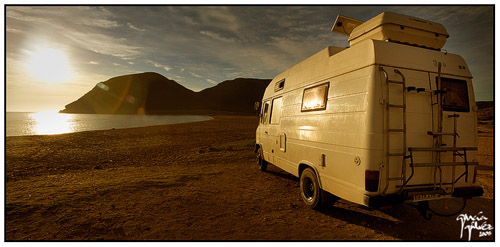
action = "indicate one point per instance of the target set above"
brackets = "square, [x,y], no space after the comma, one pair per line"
[444,164]
[395,82]
[440,134]
[396,106]
[396,130]
[396,154]
[443,149]
[420,90]
[444,134]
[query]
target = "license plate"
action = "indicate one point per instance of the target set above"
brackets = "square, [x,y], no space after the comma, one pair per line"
[426,197]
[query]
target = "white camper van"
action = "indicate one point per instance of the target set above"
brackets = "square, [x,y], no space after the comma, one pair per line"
[389,120]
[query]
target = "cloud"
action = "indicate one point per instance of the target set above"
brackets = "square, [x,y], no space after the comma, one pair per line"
[220,17]
[13,30]
[89,28]
[102,23]
[135,28]
[103,44]
[157,65]
[217,36]
[195,75]
[22,14]
[212,81]
[93,62]
[450,14]
[190,20]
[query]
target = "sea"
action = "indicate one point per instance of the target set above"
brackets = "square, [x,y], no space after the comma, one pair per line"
[52,122]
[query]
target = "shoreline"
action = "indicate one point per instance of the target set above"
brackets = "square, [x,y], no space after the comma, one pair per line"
[93,124]
[175,113]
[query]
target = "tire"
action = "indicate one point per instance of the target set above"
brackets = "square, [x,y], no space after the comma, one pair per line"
[311,193]
[260,160]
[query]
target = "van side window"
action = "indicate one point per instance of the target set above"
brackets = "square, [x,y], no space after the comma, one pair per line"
[279,85]
[456,97]
[276,111]
[265,113]
[315,98]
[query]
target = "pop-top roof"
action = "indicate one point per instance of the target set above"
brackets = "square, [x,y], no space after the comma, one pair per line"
[399,28]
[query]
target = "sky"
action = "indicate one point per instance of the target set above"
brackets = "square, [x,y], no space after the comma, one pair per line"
[54,54]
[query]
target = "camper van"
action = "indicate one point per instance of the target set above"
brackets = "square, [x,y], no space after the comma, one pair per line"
[389,120]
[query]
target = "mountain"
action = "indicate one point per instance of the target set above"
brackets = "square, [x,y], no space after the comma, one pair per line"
[238,95]
[152,93]
[484,104]
[486,110]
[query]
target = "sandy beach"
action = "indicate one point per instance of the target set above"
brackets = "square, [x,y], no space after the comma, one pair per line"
[192,181]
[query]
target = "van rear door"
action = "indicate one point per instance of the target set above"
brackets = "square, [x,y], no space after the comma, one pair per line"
[458,130]
[421,130]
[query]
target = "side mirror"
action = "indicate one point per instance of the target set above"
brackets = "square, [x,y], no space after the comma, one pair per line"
[257,108]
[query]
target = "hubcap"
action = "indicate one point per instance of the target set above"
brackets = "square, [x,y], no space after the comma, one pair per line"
[308,189]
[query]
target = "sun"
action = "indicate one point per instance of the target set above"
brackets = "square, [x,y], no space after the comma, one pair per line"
[48,65]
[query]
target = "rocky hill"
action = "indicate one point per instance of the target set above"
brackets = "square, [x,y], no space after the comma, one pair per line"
[485,104]
[152,93]
[233,96]
[486,110]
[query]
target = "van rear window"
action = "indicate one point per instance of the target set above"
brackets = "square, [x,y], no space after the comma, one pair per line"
[314,98]
[456,97]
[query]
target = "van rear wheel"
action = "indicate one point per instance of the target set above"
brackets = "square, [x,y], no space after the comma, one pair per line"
[311,194]
[260,160]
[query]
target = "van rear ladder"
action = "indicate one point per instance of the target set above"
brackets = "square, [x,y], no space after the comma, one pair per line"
[389,130]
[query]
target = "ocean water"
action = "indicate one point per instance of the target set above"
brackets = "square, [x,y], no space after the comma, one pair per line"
[48,123]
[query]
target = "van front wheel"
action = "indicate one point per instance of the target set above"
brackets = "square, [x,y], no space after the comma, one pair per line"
[260,160]
[309,189]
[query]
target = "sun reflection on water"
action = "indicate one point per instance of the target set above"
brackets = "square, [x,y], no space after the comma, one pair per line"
[50,122]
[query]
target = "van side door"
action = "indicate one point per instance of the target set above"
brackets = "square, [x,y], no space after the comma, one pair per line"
[274,129]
